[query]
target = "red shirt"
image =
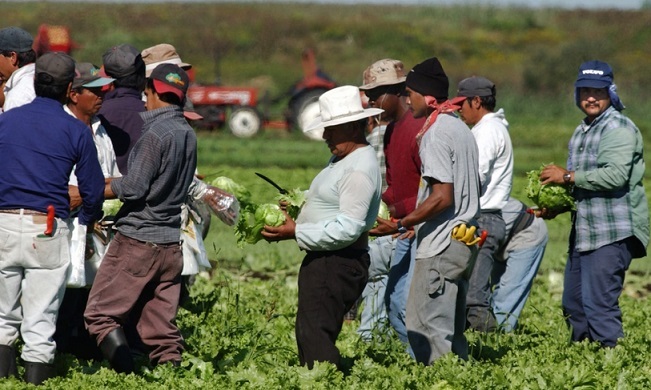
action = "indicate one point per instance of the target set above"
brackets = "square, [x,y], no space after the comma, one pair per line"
[403,164]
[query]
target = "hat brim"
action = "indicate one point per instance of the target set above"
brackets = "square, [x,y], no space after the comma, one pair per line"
[368,86]
[591,83]
[458,100]
[191,115]
[318,123]
[162,88]
[176,61]
[100,82]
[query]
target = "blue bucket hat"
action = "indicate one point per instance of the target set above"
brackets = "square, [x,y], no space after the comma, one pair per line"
[597,74]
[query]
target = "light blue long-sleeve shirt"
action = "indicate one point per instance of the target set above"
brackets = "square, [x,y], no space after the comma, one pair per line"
[342,202]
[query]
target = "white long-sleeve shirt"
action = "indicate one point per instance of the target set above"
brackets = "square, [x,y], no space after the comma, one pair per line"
[341,204]
[19,89]
[105,152]
[495,160]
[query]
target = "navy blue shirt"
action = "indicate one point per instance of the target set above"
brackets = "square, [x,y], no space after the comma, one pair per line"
[120,116]
[39,146]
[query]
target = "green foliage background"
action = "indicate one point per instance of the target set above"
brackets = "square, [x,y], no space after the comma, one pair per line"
[238,323]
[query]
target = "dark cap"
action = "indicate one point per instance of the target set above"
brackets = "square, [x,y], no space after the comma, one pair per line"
[170,78]
[429,79]
[54,68]
[476,86]
[88,75]
[594,74]
[122,61]
[15,39]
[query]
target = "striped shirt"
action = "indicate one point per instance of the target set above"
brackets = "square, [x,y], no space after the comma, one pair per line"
[608,159]
[161,168]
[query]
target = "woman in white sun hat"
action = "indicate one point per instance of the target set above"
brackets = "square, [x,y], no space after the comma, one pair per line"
[332,227]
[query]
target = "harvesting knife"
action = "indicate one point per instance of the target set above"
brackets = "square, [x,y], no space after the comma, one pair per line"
[273,183]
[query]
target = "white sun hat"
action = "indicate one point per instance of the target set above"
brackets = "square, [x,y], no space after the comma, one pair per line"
[340,105]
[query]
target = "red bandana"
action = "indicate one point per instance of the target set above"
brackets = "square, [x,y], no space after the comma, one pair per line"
[446,107]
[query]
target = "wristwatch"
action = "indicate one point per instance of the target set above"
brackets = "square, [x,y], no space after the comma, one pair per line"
[567,177]
[401,229]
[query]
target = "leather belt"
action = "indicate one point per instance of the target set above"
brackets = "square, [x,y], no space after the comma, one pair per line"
[21,211]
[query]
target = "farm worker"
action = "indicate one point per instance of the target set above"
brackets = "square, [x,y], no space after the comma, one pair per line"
[517,262]
[83,103]
[164,53]
[374,313]
[17,66]
[340,208]
[610,226]
[195,220]
[477,98]
[448,197]
[35,252]
[120,112]
[142,265]
[385,88]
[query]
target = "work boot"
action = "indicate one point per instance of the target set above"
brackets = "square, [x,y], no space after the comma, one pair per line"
[116,350]
[7,361]
[481,320]
[37,373]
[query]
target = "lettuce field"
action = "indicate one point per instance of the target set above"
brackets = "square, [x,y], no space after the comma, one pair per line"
[238,323]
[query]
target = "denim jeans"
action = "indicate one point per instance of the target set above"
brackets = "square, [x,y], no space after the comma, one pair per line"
[480,316]
[512,281]
[436,309]
[398,284]
[374,313]
[594,280]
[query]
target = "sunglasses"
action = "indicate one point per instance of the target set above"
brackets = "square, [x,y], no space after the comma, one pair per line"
[376,93]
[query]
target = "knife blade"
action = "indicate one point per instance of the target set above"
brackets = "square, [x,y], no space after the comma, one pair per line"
[273,183]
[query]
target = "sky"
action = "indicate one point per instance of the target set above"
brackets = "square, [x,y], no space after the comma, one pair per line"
[567,4]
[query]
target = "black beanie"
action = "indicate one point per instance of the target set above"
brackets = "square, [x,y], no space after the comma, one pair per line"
[428,78]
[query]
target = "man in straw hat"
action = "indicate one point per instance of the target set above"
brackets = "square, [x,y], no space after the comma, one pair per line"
[448,197]
[341,206]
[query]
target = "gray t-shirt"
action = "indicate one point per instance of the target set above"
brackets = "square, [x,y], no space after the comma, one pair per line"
[449,154]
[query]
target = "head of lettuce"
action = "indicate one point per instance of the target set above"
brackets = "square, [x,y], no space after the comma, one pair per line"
[553,197]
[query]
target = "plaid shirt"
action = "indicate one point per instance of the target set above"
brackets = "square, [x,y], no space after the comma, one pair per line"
[376,139]
[608,159]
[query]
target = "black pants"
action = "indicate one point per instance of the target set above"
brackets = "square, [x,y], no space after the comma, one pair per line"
[329,283]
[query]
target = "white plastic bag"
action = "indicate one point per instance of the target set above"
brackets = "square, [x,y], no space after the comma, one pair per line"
[195,258]
[76,270]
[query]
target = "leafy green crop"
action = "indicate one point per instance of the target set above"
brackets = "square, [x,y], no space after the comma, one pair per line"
[384,211]
[111,207]
[295,199]
[249,227]
[227,184]
[554,197]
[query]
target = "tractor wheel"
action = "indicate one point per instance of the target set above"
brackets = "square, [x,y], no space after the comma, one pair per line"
[306,110]
[244,122]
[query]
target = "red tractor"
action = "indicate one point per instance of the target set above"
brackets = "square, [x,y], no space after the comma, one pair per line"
[53,38]
[214,103]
